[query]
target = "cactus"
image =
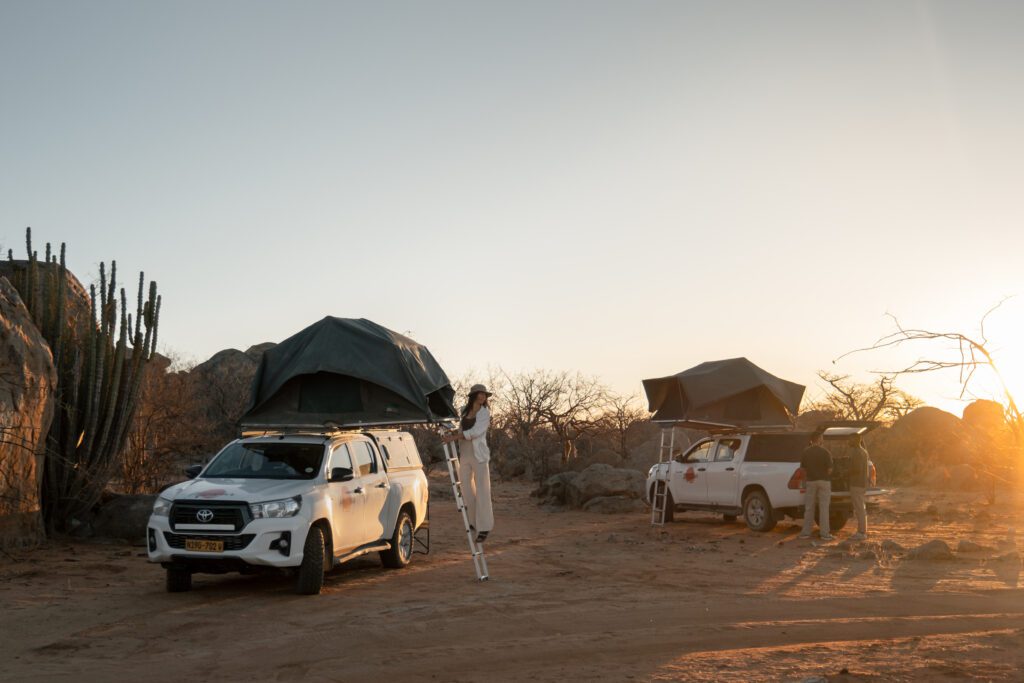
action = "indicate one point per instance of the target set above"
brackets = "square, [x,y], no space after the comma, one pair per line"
[99,375]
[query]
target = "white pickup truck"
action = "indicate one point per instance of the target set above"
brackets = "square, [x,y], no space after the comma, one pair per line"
[757,475]
[302,503]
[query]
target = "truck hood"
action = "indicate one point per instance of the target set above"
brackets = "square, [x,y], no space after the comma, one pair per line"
[241,490]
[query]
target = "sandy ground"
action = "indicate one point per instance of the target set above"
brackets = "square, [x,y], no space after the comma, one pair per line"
[573,596]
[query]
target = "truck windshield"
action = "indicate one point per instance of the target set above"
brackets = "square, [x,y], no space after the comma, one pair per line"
[267,461]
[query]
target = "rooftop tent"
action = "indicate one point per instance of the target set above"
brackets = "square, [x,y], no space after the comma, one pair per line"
[347,372]
[732,392]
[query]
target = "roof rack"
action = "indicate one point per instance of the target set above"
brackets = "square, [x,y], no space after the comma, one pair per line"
[719,428]
[329,428]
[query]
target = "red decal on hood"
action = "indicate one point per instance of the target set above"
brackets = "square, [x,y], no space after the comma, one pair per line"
[212,493]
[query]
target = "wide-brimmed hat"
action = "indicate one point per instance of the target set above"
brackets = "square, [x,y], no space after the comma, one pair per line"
[479,388]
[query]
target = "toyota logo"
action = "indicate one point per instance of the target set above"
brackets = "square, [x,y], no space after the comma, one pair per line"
[204,515]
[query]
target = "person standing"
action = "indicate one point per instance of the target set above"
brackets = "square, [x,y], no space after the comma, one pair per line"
[816,462]
[858,475]
[474,459]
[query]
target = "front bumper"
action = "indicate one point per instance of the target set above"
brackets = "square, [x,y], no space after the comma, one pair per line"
[257,551]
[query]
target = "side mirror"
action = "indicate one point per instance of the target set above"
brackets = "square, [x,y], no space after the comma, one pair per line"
[341,474]
[192,471]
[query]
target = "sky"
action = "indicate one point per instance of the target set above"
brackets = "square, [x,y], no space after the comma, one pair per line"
[622,189]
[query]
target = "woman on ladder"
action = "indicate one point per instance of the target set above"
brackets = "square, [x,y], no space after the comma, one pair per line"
[474,456]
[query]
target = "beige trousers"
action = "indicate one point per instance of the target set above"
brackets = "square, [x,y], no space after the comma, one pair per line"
[476,491]
[859,508]
[819,492]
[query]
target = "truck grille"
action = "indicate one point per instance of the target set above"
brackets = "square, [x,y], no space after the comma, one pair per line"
[189,512]
[177,541]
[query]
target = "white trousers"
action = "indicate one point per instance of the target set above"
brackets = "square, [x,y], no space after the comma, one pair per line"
[819,492]
[859,508]
[476,491]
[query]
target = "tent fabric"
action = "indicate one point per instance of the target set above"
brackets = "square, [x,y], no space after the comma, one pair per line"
[732,392]
[346,371]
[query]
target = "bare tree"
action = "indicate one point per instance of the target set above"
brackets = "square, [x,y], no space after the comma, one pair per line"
[850,400]
[968,353]
[620,416]
[167,426]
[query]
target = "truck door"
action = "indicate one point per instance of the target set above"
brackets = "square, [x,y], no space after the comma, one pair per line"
[723,472]
[374,480]
[688,483]
[347,502]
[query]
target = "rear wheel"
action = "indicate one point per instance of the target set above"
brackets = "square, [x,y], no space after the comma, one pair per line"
[400,553]
[837,519]
[758,512]
[179,580]
[310,577]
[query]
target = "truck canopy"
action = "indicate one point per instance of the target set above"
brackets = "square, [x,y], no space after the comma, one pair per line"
[342,372]
[732,392]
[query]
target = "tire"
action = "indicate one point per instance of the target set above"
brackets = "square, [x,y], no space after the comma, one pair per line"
[758,512]
[179,580]
[729,518]
[310,577]
[400,553]
[837,519]
[670,505]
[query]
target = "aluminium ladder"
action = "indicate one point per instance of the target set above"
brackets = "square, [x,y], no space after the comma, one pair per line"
[659,497]
[451,457]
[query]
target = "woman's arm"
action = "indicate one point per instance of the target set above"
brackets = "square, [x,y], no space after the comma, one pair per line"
[483,421]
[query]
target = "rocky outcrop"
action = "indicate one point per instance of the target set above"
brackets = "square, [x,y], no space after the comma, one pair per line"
[936,550]
[576,489]
[77,309]
[986,416]
[603,480]
[27,381]
[221,387]
[124,517]
[920,446]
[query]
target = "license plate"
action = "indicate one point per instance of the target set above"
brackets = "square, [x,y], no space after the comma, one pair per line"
[204,546]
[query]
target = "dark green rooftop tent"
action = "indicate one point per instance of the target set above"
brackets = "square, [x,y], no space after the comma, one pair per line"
[346,372]
[724,393]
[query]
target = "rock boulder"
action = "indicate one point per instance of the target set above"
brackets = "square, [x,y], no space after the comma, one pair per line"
[124,517]
[931,551]
[601,480]
[27,382]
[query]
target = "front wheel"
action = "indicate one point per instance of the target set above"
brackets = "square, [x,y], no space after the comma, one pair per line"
[179,580]
[310,577]
[758,512]
[399,555]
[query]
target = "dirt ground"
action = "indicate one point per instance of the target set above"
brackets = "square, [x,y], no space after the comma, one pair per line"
[573,596]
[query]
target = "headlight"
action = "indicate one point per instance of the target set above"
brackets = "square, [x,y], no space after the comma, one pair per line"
[287,507]
[162,506]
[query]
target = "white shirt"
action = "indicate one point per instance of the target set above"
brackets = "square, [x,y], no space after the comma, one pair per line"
[477,436]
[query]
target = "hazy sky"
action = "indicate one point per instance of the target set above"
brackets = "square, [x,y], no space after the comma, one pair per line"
[623,188]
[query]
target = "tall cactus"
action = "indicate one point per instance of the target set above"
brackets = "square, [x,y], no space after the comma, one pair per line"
[99,375]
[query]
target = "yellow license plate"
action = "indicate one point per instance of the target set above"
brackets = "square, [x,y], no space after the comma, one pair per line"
[204,546]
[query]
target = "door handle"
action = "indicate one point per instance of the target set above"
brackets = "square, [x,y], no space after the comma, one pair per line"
[701,469]
[382,485]
[358,489]
[729,469]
